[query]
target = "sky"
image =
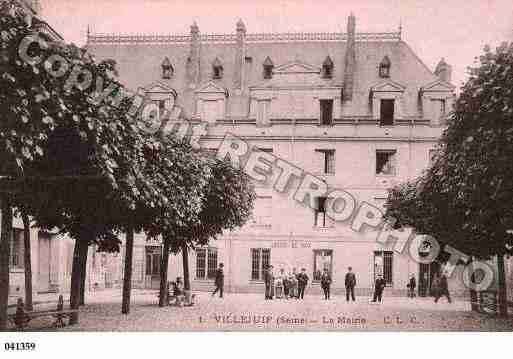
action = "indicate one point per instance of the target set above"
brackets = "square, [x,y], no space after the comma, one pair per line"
[454,29]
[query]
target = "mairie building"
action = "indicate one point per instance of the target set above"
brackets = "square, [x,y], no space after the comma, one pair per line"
[359,110]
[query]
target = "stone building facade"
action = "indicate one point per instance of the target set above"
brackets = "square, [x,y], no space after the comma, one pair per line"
[360,111]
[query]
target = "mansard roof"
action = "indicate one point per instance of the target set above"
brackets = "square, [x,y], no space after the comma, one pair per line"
[139,59]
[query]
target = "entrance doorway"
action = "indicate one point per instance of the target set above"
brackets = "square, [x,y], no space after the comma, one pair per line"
[153,255]
[426,274]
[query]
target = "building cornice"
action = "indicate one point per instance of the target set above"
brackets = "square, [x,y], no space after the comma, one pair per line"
[249,38]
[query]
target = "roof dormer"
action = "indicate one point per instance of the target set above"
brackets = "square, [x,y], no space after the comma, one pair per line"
[384,67]
[327,68]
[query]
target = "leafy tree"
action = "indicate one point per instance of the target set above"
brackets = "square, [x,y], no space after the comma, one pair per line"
[465,198]
[71,162]
[227,205]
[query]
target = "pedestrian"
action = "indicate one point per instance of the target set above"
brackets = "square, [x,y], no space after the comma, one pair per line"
[326,283]
[286,285]
[269,283]
[350,283]
[302,281]
[278,284]
[379,286]
[412,284]
[293,284]
[219,281]
[435,286]
[443,289]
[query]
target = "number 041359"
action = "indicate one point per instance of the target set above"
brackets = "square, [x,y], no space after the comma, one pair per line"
[20,346]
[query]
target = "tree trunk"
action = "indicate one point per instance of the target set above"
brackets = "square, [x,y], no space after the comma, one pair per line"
[81,245]
[502,297]
[83,275]
[28,262]
[163,273]
[185,259]
[127,278]
[474,305]
[5,249]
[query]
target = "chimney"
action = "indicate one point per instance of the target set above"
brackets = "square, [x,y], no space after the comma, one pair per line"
[350,59]
[240,53]
[443,71]
[193,75]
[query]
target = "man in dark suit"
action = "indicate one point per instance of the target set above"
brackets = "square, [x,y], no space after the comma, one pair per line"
[302,281]
[350,283]
[379,286]
[219,281]
[269,282]
[326,283]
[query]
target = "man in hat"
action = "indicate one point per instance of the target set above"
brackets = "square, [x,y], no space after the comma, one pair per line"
[269,282]
[219,281]
[350,283]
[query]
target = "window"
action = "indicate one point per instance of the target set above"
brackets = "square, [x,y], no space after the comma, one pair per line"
[385,162]
[217,69]
[439,110]
[260,259]
[387,112]
[326,112]
[262,213]
[167,69]
[218,72]
[263,112]
[17,260]
[210,110]
[320,219]
[268,68]
[327,158]
[383,265]
[206,263]
[327,68]
[384,67]
[323,259]
[153,260]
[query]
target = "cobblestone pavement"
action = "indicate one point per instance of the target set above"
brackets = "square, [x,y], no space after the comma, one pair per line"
[250,312]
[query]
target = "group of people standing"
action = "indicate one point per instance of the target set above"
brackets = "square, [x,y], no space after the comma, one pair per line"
[293,284]
[285,285]
[439,287]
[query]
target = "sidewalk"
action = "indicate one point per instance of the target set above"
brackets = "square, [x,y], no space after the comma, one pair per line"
[99,296]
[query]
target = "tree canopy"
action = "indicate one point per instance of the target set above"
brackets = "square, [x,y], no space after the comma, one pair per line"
[464,199]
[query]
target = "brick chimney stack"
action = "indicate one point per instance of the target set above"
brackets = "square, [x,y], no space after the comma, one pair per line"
[443,71]
[193,75]
[350,59]
[240,53]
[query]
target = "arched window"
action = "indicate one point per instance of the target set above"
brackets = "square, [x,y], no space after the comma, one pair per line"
[167,69]
[327,68]
[384,67]
[217,69]
[268,68]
